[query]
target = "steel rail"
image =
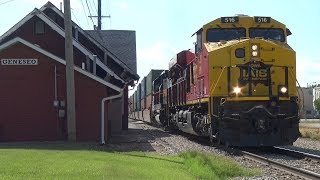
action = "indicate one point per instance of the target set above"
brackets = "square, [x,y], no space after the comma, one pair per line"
[298,154]
[292,170]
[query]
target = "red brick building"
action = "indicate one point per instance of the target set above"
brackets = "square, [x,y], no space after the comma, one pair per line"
[33,86]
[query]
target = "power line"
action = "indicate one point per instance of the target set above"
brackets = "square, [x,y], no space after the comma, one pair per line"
[84,10]
[75,17]
[6,2]
[94,5]
[89,12]
[90,4]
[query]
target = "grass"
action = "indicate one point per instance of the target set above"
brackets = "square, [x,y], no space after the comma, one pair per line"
[310,132]
[85,161]
[205,166]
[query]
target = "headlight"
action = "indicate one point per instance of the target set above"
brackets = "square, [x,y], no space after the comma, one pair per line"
[254,47]
[254,53]
[283,89]
[237,90]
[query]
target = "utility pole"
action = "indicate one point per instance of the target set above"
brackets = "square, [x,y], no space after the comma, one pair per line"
[99,15]
[71,113]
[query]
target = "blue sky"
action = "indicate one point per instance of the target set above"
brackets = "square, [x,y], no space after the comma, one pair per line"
[164,27]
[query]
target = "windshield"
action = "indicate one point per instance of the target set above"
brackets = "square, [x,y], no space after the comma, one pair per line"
[267,33]
[217,34]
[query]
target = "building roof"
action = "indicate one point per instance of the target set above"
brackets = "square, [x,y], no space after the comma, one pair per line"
[56,58]
[59,30]
[99,43]
[120,42]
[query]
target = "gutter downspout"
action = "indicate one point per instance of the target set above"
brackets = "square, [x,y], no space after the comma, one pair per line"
[102,142]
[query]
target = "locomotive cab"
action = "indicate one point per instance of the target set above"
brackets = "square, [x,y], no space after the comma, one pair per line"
[238,87]
[251,70]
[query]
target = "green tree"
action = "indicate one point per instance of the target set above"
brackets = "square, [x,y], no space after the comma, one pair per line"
[317,104]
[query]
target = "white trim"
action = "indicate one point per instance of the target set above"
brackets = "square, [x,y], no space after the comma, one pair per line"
[78,45]
[52,56]
[60,31]
[55,9]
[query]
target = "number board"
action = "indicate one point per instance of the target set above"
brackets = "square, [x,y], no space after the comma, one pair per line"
[259,19]
[229,19]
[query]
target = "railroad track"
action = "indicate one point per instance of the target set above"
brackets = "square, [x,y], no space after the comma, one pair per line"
[302,173]
[253,155]
[297,154]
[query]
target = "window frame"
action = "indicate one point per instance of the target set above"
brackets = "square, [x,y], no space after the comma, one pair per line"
[242,28]
[37,25]
[199,41]
[283,34]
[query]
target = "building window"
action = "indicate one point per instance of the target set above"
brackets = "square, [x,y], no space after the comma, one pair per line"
[39,27]
[52,16]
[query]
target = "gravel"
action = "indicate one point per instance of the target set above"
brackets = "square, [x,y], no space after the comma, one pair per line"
[307,145]
[144,137]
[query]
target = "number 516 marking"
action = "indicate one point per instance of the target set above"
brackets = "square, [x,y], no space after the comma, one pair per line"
[229,19]
[262,19]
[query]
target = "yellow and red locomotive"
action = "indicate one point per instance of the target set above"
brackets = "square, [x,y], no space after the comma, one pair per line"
[239,86]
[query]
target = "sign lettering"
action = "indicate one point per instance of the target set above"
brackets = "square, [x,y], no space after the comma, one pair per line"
[254,71]
[262,19]
[229,19]
[19,62]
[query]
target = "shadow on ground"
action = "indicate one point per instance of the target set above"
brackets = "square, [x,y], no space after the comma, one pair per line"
[130,140]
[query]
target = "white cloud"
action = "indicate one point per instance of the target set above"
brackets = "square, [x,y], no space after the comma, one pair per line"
[308,69]
[157,56]
[122,5]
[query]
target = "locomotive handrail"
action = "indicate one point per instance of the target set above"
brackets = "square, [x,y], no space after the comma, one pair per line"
[291,73]
[212,90]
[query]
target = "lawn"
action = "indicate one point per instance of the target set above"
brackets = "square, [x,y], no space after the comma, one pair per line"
[310,132]
[89,161]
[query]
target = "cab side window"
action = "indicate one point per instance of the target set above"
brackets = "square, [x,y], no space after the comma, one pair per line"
[199,41]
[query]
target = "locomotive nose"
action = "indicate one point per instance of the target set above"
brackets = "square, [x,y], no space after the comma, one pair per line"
[261,118]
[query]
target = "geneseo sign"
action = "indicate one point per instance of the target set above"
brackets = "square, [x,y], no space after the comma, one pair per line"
[254,71]
[19,61]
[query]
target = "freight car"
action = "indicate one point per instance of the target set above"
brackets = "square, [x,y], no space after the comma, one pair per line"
[141,100]
[239,86]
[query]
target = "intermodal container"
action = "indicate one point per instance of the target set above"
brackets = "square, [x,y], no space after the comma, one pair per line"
[143,88]
[139,97]
[153,74]
[139,92]
[138,105]
[134,101]
[130,104]
[149,101]
[143,104]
